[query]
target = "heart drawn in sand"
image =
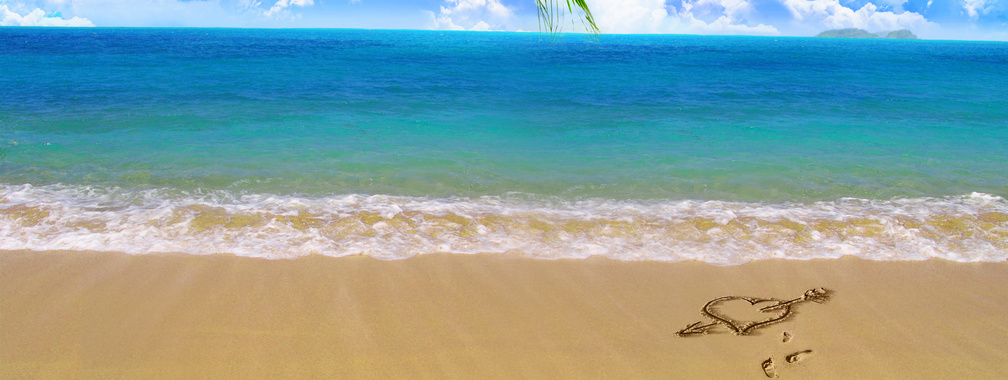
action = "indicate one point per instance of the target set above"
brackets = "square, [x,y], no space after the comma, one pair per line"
[713,310]
[744,314]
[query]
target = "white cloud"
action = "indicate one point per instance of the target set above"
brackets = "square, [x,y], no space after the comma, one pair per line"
[468,6]
[171,13]
[897,5]
[829,14]
[246,5]
[974,8]
[280,7]
[629,16]
[724,25]
[730,20]
[652,16]
[38,17]
[799,17]
[471,15]
[733,9]
[481,26]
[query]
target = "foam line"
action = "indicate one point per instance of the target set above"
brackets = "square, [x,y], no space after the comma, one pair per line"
[966,228]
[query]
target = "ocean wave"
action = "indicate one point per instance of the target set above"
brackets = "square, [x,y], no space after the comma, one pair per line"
[966,228]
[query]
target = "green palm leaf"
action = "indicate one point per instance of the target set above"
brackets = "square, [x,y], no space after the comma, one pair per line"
[552,15]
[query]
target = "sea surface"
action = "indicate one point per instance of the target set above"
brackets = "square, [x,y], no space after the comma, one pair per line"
[391,144]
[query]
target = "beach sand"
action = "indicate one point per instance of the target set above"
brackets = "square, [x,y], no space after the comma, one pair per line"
[111,315]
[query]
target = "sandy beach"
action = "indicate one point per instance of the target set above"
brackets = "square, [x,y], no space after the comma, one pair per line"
[111,315]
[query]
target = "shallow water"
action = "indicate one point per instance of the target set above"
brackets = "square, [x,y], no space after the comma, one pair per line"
[280,143]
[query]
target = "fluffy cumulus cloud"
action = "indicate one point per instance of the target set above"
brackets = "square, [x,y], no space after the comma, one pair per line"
[685,16]
[629,16]
[281,7]
[982,19]
[38,17]
[471,15]
[987,12]
[974,8]
[830,14]
[751,17]
[718,17]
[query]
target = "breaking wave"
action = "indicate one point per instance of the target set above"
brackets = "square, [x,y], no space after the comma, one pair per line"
[965,228]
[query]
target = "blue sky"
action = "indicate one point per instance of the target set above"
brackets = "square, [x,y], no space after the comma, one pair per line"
[933,19]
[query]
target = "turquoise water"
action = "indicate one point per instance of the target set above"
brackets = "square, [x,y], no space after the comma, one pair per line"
[279,143]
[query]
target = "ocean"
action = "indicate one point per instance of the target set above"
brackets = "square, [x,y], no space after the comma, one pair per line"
[391,144]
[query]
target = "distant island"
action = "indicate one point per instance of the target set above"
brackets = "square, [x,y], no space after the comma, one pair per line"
[861,33]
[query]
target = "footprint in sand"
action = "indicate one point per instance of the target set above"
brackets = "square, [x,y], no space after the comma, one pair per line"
[798,356]
[769,369]
[787,337]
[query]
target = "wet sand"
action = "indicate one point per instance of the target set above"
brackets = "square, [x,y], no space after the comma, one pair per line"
[111,315]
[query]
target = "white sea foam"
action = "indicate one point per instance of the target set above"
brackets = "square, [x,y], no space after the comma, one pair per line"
[967,228]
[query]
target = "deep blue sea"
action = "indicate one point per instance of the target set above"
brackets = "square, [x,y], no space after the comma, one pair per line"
[284,143]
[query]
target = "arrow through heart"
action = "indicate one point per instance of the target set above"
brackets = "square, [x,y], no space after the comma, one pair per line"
[755,313]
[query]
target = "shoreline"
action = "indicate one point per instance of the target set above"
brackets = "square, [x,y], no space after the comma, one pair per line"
[113,315]
[966,227]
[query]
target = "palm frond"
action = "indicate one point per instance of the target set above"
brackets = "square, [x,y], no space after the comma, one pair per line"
[552,15]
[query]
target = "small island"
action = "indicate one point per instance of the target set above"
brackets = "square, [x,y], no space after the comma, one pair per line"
[861,33]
